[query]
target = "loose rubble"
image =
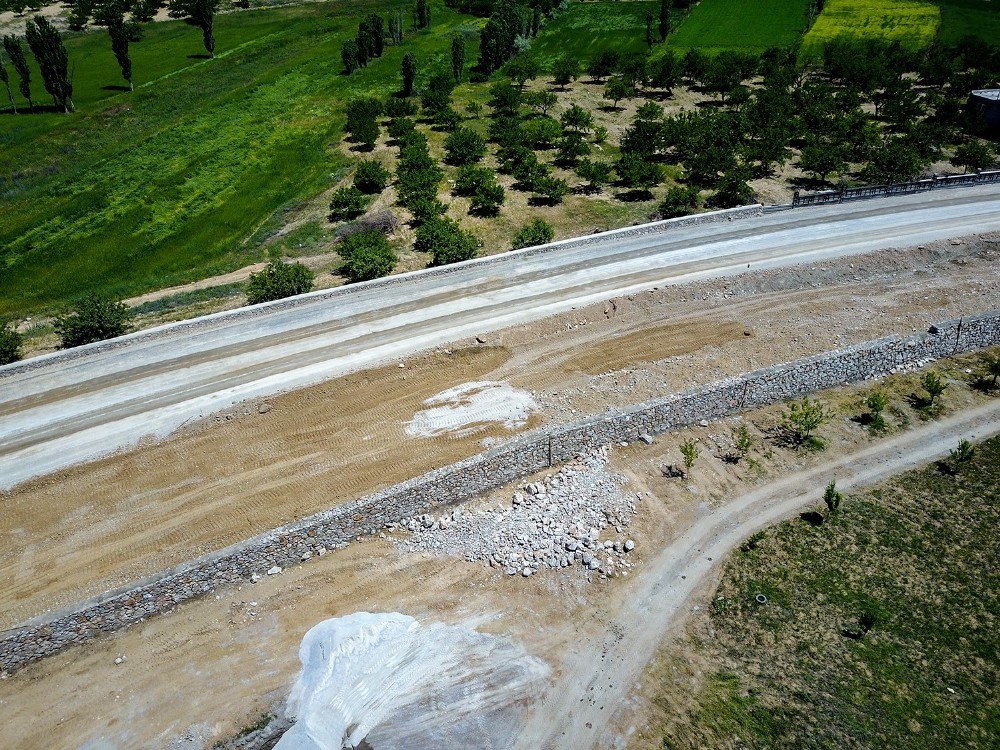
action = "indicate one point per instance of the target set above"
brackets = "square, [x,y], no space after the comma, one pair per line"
[554,523]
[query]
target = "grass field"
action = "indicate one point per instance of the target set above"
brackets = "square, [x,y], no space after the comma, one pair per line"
[916,554]
[752,25]
[910,22]
[171,183]
[969,17]
[588,28]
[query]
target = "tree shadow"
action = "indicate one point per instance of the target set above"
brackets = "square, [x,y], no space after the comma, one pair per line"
[634,195]
[541,200]
[200,56]
[984,384]
[115,88]
[812,517]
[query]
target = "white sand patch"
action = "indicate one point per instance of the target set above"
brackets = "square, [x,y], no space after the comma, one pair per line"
[471,406]
[395,684]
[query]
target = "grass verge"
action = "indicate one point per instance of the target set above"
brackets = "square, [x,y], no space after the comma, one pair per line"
[749,25]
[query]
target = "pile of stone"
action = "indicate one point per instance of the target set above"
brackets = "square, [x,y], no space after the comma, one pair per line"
[555,523]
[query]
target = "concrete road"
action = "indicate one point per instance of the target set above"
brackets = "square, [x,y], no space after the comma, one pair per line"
[69,410]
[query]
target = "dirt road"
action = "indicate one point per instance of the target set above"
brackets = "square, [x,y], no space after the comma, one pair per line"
[579,706]
[72,408]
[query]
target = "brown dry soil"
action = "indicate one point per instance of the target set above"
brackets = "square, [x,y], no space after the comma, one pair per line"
[214,665]
[86,530]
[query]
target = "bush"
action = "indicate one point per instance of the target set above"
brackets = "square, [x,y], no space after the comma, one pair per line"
[371,177]
[396,107]
[732,190]
[277,281]
[443,238]
[10,344]
[934,385]
[346,203]
[679,201]
[541,132]
[95,318]
[550,189]
[535,232]
[876,402]
[802,419]
[367,255]
[638,173]
[690,452]
[464,146]
[488,195]
[400,127]
[596,173]
[832,497]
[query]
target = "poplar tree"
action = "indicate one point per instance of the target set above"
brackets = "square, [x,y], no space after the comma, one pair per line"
[200,13]
[409,73]
[120,34]
[665,7]
[423,14]
[457,57]
[15,52]
[45,43]
[5,77]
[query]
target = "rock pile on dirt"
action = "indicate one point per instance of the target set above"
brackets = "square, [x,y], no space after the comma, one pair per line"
[555,523]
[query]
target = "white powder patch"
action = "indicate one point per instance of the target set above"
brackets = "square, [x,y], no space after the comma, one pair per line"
[394,684]
[471,406]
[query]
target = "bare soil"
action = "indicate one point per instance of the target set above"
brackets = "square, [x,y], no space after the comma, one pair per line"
[237,651]
[80,532]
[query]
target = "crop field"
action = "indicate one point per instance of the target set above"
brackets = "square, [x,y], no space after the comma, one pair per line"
[752,25]
[877,627]
[170,183]
[910,22]
[969,17]
[588,28]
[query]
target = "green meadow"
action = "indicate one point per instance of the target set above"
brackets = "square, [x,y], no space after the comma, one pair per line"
[588,28]
[171,183]
[750,25]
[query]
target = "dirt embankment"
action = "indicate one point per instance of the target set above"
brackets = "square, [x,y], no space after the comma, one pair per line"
[82,531]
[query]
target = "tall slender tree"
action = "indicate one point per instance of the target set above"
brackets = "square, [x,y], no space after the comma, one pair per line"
[457,57]
[121,33]
[409,70]
[15,53]
[422,12]
[665,7]
[200,13]
[396,27]
[349,56]
[45,43]
[5,78]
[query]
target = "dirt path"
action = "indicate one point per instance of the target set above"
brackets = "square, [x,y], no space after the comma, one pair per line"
[579,707]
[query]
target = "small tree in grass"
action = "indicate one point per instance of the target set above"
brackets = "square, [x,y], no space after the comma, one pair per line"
[95,318]
[347,203]
[464,146]
[596,173]
[802,419]
[443,238]
[565,70]
[876,402]
[10,344]
[371,177]
[349,56]
[277,281]
[832,497]
[742,441]
[974,155]
[535,232]
[690,452]
[408,69]
[934,384]
[616,89]
[961,455]
[990,365]
[367,255]
[550,189]
[732,190]
[679,200]
[638,173]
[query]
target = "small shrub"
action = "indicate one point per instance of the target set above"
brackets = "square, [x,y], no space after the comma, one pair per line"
[95,318]
[535,232]
[488,196]
[277,281]
[989,373]
[690,452]
[10,344]
[876,402]
[742,440]
[678,201]
[934,384]
[550,189]
[961,455]
[367,255]
[396,107]
[801,420]
[371,177]
[832,497]
[347,203]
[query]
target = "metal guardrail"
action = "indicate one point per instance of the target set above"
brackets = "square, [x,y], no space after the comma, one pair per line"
[901,188]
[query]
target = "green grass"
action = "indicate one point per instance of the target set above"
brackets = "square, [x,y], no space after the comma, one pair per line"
[910,22]
[172,182]
[585,29]
[750,25]
[969,17]
[917,553]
